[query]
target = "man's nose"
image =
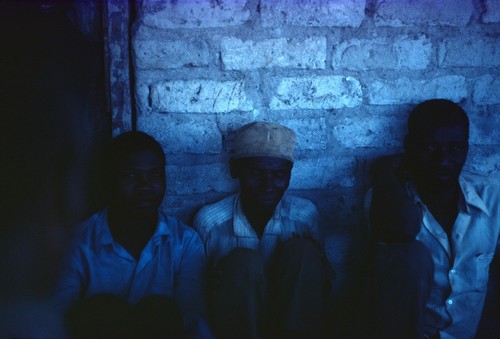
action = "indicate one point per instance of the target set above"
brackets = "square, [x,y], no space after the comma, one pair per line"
[143,179]
[268,181]
[442,155]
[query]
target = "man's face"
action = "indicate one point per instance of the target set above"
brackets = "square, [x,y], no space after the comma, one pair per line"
[138,183]
[437,155]
[263,180]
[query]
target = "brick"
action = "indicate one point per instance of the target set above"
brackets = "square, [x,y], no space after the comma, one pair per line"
[486,90]
[183,133]
[484,160]
[327,171]
[312,134]
[472,52]
[373,130]
[403,52]
[199,179]
[308,53]
[184,207]
[199,96]
[322,92]
[397,13]
[170,54]
[193,13]
[404,90]
[333,13]
[492,13]
[484,128]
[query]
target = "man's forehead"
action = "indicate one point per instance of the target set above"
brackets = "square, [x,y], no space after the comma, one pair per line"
[265,162]
[456,131]
[140,158]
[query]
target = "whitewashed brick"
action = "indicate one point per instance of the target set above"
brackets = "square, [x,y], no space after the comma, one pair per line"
[485,161]
[199,179]
[404,90]
[170,54]
[301,53]
[370,131]
[199,96]
[470,52]
[334,13]
[329,171]
[484,128]
[403,52]
[312,134]
[398,13]
[183,133]
[486,90]
[492,14]
[321,92]
[193,13]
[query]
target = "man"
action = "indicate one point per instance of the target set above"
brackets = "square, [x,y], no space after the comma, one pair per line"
[131,250]
[437,231]
[264,246]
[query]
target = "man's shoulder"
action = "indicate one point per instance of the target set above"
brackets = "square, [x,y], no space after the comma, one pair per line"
[487,188]
[174,226]
[90,227]
[215,213]
[300,208]
[481,182]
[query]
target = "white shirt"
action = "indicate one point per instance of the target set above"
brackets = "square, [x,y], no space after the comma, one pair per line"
[171,264]
[223,226]
[461,264]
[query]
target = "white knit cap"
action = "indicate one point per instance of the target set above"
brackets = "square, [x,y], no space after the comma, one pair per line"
[263,139]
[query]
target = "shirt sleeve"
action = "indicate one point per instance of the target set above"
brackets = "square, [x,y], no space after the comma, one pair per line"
[189,287]
[71,283]
[190,273]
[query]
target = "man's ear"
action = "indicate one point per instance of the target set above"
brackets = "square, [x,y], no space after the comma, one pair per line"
[234,168]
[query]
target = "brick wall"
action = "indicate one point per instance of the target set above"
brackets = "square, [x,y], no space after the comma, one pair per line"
[342,73]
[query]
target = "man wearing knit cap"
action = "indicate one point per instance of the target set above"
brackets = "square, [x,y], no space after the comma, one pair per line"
[268,274]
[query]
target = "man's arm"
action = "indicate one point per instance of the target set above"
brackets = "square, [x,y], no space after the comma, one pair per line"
[190,273]
[394,216]
[189,291]
[71,282]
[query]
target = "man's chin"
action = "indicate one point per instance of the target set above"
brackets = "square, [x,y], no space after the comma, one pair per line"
[268,205]
[143,211]
[443,180]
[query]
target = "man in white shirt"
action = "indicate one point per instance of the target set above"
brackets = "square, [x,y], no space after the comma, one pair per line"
[268,271]
[437,231]
[131,251]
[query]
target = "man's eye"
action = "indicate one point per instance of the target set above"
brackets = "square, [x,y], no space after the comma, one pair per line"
[429,148]
[129,174]
[280,174]
[157,173]
[255,173]
[458,147]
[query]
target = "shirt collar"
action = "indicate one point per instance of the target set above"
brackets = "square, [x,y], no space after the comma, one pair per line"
[103,234]
[241,225]
[469,196]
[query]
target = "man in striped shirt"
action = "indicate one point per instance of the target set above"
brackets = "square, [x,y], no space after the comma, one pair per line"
[268,273]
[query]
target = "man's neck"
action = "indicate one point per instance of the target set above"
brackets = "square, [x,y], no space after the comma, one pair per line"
[257,217]
[132,231]
[442,202]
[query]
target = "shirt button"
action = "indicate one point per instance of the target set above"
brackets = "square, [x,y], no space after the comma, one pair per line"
[449,302]
[453,272]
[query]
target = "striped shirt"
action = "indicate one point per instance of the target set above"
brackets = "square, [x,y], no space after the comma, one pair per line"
[223,226]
